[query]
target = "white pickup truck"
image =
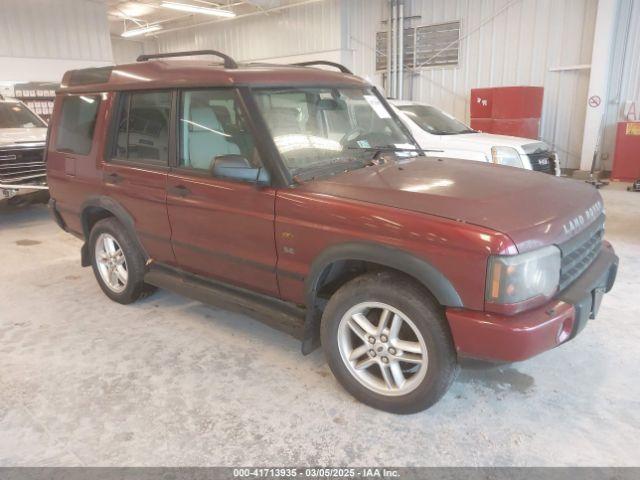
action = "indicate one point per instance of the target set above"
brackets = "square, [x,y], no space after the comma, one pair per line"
[22,141]
[447,136]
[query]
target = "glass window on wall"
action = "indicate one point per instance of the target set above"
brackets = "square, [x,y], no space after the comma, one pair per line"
[212,125]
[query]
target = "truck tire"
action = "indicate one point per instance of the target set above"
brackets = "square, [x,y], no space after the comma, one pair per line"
[388,343]
[117,262]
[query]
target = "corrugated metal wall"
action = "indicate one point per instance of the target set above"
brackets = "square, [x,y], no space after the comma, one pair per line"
[630,86]
[300,30]
[504,42]
[624,85]
[60,29]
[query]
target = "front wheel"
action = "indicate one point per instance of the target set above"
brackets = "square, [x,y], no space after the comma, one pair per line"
[117,262]
[388,343]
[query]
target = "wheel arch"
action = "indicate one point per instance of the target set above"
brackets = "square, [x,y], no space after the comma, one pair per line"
[343,255]
[98,208]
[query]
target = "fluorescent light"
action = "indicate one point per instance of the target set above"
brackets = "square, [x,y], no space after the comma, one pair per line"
[140,31]
[195,9]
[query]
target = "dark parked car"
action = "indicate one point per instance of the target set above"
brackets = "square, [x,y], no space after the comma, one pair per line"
[296,194]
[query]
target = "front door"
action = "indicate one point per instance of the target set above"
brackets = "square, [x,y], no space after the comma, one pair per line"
[135,173]
[222,220]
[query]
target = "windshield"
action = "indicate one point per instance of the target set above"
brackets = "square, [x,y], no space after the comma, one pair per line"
[16,115]
[329,128]
[434,121]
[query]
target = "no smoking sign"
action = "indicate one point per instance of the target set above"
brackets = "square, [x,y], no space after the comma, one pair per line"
[594,101]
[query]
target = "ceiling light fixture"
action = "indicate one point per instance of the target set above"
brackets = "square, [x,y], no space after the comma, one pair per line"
[140,31]
[195,9]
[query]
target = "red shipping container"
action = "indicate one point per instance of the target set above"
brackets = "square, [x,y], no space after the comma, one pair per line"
[520,127]
[517,102]
[481,102]
[626,157]
[482,124]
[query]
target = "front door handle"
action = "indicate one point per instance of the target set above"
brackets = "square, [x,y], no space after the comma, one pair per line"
[180,191]
[112,178]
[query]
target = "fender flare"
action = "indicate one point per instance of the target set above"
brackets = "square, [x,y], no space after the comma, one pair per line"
[425,273]
[118,211]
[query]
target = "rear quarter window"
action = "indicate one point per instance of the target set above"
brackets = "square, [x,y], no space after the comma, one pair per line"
[77,123]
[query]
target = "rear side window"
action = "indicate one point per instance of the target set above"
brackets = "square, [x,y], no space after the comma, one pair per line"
[143,128]
[77,124]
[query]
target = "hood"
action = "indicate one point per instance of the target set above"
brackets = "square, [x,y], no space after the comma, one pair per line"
[533,209]
[12,136]
[490,140]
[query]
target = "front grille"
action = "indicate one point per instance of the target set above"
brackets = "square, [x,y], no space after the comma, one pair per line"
[22,166]
[543,162]
[579,252]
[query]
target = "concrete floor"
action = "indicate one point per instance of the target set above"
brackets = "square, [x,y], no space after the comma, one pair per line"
[168,381]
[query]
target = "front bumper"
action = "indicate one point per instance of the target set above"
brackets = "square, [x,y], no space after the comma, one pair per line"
[497,337]
[8,190]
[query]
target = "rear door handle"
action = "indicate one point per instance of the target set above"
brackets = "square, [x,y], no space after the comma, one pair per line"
[112,178]
[180,191]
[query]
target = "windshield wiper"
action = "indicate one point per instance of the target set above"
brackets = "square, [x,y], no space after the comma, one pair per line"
[392,148]
[327,168]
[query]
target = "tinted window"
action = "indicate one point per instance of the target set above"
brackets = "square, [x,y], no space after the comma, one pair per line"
[16,115]
[143,127]
[78,121]
[212,125]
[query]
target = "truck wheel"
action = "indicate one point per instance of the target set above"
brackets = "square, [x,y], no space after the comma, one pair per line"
[117,262]
[387,342]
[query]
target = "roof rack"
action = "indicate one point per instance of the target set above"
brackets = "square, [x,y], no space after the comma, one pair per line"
[342,68]
[228,61]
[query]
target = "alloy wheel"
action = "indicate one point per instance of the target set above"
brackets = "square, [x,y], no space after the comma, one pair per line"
[382,348]
[111,262]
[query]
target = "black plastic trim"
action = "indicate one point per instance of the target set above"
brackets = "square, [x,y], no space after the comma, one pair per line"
[276,313]
[424,272]
[601,274]
[313,63]
[228,61]
[118,211]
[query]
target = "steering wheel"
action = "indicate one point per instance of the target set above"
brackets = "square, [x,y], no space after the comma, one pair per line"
[351,135]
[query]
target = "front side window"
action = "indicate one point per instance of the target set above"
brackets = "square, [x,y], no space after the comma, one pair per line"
[143,128]
[16,115]
[77,123]
[434,121]
[321,128]
[214,136]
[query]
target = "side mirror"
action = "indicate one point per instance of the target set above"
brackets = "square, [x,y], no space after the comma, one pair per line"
[237,167]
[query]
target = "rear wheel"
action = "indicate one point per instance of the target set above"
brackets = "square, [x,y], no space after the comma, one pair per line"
[388,343]
[117,262]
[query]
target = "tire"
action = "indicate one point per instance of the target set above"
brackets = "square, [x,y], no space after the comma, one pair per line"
[423,328]
[129,273]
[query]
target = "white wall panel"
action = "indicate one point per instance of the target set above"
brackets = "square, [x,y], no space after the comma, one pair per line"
[504,42]
[299,30]
[40,39]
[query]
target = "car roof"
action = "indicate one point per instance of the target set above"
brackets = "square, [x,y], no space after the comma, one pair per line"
[171,73]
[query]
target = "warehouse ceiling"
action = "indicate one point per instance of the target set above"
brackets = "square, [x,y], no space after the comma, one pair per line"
[125,15]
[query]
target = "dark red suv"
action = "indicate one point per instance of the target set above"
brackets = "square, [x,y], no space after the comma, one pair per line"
[295,193]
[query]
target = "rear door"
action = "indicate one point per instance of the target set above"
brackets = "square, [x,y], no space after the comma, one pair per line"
[222,225]
[136,168]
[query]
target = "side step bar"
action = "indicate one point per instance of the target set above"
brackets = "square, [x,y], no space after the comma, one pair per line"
[280,315]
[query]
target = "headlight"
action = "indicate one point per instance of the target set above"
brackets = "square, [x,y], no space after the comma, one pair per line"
[506,156]
[516,278]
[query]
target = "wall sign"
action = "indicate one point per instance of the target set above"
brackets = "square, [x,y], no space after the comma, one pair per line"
[594,101]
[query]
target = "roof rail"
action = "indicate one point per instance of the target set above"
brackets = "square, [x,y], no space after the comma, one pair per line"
[342,68]
[228,61]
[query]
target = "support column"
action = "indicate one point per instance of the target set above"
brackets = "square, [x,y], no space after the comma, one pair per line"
[603,40]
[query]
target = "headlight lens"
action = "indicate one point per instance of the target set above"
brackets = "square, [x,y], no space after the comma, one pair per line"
[506,156]
[516,278]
